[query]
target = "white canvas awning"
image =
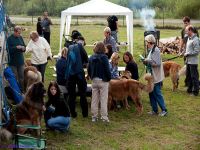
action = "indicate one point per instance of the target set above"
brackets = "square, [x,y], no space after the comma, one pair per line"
[97,8]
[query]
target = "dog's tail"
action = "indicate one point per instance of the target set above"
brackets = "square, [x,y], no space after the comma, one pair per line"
[150,85]
[182,71]
[5,135]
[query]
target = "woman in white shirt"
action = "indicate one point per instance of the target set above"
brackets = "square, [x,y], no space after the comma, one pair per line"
[40,51]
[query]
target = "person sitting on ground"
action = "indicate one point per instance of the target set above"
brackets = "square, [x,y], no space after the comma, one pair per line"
[56,114]
[109,39]
[114,60]
[131,65]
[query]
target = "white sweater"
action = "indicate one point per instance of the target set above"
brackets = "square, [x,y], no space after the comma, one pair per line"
[40,50]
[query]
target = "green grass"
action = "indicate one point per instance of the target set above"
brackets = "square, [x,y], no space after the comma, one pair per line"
[179,130]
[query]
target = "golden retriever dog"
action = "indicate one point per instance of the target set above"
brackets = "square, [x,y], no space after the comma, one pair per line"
[27,63]
[28,112]
[125,75]
[174,71]
[121,89]
[31,75]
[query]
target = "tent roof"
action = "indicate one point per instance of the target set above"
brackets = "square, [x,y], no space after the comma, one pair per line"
[97,7]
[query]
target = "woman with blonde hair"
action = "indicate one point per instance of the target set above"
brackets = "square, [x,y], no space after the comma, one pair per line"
[40,51]
[99,72]
[114,60]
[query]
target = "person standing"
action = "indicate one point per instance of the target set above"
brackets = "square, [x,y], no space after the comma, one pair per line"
[99,72]
[113,25]
[39,26]
[77,58]
[109,39]
[46,22]
[155,62]
[40,51]
[16,48]
[184,38]
[192,59]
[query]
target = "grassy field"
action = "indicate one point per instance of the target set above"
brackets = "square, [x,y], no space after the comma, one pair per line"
[179,130]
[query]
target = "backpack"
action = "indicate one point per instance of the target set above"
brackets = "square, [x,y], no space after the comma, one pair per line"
[71,62]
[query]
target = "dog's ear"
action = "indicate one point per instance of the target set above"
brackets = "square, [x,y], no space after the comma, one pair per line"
[36,91]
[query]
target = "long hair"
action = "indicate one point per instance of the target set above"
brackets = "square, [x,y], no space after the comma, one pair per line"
[130,56]
[115,59]
[57,95]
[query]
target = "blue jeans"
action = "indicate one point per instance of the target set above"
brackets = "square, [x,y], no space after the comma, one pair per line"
[59,123]
[156,97]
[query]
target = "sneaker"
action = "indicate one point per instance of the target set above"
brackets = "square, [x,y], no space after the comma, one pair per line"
[94,119]
[106,120]
[163,113]
[152,113]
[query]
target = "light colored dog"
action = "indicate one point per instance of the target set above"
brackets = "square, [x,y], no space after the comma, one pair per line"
[121,89]
[174,71]
[31,75]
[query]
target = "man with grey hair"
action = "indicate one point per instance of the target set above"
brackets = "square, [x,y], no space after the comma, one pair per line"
[109,39]
[192,59]
[16,47]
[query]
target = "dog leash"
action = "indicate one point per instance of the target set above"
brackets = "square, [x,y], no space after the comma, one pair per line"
[170,58]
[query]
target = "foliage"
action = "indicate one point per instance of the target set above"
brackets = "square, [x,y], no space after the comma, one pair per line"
[170,8]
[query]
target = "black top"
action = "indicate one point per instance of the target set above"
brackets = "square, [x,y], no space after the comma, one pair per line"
[61,108]
[39,28]
[112,22]
[133,68]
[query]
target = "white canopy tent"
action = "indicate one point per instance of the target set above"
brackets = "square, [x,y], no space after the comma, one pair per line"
[97,8]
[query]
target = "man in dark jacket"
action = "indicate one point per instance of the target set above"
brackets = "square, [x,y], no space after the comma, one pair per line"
[75,76]
[16,48]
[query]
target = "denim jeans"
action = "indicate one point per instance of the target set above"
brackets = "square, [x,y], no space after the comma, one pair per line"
[59,123]
[156,97]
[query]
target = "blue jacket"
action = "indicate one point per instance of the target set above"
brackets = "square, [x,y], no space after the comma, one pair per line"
[76,59]
[99,67]
[60,71]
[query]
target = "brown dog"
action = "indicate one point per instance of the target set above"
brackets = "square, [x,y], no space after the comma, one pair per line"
[172,69]
[31,75]
[121,89]
[28,112]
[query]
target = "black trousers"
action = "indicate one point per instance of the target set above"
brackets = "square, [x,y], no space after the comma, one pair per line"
[192,76]
[47,36]
[41,68]
[81,83]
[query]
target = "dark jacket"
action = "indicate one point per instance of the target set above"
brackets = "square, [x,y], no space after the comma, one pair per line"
[133,68]
[60,71]
[76,59]
[39,28]
[61,108]
[16,57]
[99,67]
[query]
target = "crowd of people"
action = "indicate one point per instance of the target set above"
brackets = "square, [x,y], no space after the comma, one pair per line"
[102,66]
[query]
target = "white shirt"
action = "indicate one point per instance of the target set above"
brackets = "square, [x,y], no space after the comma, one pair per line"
[40,50]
